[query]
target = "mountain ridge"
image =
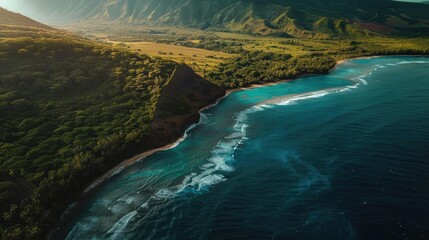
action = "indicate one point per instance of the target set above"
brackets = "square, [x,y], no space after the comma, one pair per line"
[16,19]
[305,18]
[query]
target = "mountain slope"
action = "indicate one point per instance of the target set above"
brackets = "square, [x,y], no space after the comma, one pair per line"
[72,109]
[281,17]
[16,19]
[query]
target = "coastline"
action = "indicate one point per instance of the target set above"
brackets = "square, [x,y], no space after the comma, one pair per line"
[127,162]
[141,156]
[337,63]
[119,167]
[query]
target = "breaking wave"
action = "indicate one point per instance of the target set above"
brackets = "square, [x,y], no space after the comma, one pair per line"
[219,162]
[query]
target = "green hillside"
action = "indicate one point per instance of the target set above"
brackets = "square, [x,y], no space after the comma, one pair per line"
[70,109]
[300,18]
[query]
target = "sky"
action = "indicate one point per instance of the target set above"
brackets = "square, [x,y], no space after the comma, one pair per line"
[9,4]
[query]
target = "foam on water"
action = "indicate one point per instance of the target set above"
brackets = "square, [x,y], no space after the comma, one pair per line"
[204,119]
[158,202]
[120,226]
[123,204]
[219,162]
[317,94]
[362,80]
[81,228]
[412,62]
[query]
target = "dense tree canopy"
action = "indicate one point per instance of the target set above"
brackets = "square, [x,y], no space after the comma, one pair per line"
[69,107]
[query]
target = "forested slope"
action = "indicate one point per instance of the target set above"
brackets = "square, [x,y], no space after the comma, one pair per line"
[299,18]
[71,109]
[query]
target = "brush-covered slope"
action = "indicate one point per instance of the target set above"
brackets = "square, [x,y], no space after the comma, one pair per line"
[280,17]
[16,19]
[70,110]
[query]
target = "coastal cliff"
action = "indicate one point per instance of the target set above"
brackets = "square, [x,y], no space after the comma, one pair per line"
[177,109]
[179,105]
[73,109]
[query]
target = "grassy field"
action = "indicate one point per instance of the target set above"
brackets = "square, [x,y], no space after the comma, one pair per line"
[193,46]
[300,46]
[64,126]
[200,60]
[237,60]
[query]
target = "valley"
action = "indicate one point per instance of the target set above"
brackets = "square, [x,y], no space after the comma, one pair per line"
[249,59]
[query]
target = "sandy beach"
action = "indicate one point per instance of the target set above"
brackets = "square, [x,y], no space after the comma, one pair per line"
[148,153]
[118,168]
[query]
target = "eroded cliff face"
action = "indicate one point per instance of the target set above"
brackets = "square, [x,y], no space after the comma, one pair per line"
[180,103]
[177,108]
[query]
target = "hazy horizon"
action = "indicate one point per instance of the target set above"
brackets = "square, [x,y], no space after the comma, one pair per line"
[28,9]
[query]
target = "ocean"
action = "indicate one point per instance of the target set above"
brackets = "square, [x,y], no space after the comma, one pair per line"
[337,156]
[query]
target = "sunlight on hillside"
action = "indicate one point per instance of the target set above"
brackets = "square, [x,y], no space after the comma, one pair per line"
[10,5]
[89,87]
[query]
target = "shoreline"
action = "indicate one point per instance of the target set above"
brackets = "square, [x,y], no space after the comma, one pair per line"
[128,162]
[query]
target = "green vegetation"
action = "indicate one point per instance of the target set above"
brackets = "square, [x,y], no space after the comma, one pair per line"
[255,59]
[282,18]
[201,60]
[272,60]
[262,67]
[70,109]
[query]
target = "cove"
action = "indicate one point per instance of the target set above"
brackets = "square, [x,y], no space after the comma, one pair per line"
[338,156]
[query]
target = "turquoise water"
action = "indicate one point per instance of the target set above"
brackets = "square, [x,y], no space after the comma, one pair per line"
[340,156]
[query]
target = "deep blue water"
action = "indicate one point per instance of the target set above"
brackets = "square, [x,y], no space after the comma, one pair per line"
[340,156]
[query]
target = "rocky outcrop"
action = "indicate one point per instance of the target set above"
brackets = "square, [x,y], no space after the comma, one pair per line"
[180,103]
